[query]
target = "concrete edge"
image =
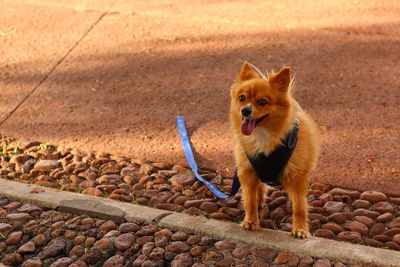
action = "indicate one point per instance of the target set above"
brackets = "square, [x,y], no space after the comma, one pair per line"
[120,211]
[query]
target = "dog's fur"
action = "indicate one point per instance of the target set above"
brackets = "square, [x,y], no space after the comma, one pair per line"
[282,110]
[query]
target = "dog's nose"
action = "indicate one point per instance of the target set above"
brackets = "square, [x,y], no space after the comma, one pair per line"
[246,112]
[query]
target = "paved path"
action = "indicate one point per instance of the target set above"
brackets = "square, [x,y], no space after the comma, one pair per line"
[112,75]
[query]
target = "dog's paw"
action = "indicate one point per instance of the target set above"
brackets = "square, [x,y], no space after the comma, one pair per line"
[300,233]
[250,225]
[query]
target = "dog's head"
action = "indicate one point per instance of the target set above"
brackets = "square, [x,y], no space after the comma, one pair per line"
[255,99]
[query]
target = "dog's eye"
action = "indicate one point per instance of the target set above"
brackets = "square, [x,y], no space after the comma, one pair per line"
[242,98]
[262,102]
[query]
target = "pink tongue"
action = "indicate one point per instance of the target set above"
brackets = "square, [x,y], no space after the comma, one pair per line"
[248,126]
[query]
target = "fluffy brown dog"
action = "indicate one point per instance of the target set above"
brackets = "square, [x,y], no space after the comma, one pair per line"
[262,112]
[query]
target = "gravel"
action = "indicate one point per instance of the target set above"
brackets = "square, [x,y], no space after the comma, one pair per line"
[370,217]
[53,238]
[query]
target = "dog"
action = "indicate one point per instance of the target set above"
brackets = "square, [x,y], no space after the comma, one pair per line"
[262,114]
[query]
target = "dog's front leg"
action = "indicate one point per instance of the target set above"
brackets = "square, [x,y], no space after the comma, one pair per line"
[249,182]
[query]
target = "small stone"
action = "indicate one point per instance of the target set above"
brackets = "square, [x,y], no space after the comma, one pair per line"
[12,259]
[257,263]
[103,243]
[40,240]
[212,256]
[324,233]
[350,236]
[233,212]
[266,254]
[12,206]
[227,262]
[364,220]
[377,229]
[224,245]
[277,202]
[383,207]
[306,261]
[362,204]
[62,262]
[195,239]
[78,263]
[116,260]
[164,232]
[144,239]
[206,241]
[333,227]
[278,214]
[161,241]
[241,252]
[160,197]
[182,180]
[34,262]
[93,192]
[282,258]
[128,227]
[2,212]
[356,226]
[179,168]
[392,232]
[28,208]
[322,263]
[197,250]
[178,247]
[157,254]
[18,217]
[340,191]
[27,247]
[368,213]
[77,250]
[316,216]
[182,260]
[14,238]
[396,238]
[146,169]
[4,227]
[333,206]
[392,245]
[47,165]
[382,238]
[220,216]
[147,230]
[92,256]
[53,249]
[179,236]
[124,241]
[373,196]
[395,223]
[19,159]
[148,247]
[108,226]
[373,242]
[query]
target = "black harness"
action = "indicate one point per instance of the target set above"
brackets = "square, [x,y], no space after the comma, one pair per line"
[269,167]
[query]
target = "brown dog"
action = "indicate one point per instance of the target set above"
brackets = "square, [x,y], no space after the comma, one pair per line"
[262,113]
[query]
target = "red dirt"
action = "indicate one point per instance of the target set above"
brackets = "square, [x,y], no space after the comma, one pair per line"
[121,87]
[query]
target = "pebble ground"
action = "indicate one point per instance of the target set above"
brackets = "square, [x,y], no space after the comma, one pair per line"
[33,236]
[370,217]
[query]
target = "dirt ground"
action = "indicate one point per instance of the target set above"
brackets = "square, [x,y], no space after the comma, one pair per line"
[112,76]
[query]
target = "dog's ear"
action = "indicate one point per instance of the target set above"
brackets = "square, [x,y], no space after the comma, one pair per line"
[281,79]
[246,73]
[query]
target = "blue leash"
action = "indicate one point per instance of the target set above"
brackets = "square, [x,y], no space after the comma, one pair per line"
[180,122]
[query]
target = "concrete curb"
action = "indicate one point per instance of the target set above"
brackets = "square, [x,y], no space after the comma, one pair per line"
[119,211]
